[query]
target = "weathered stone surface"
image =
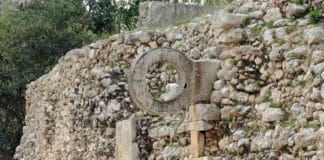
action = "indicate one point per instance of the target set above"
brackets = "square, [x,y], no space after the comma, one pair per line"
[294,10]
[126,146]
[145,37]
[231,36]
[280,22]
[171,92]
[207,112]
[273,14]
[219,84]
[187,86]
[296,110]
[197,143]
[261,142]
[160,131]
[226,20]
[314,35]
[199,126]
[171,152]
[269,93]
[268,36]
[305,137]
[164,13]
[272,114]
[319,135]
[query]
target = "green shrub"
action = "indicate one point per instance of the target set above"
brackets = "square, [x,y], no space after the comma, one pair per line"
[32,39]
[315,17]
[298,1]
[246,21]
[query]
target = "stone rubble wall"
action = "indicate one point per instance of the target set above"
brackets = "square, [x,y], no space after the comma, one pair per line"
[267,101]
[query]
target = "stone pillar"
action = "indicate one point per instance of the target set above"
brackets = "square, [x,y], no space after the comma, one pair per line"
[197,144]
[126,146]
[199,116]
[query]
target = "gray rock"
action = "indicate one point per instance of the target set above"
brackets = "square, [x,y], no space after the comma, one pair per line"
[224,143]
[161,131]
[207,112]
[231,36]
[145,37]
[280,22]
[243,142]
[252,87]
[322,91]
[241,97]
[296,110]
[246,7]
[319,135]
[318,56]
[305,137]
[297,53]
[212,52]
[170,152]
[226,74]
[281,33]
[321,117]
[272,114]
[303,22]
[277,52]
[106,82]
[318,68]
[294,10]
[273,14]
[228,20]
[171,92]
[261,142]
[291,66]
[314,35]
[238,134]
[268,36]
[216,97]
[319,155]
[219,84]
[256,14]
[226,112]
[199,126]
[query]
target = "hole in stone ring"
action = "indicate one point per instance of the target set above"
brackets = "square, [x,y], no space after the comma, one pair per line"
[163,79]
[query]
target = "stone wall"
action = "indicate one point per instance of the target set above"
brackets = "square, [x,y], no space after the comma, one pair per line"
[267,101]
[162,14]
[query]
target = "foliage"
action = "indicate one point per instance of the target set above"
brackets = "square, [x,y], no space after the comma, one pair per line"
[246,21]
[31,41]
[108,16]
[298,1]
[315,17]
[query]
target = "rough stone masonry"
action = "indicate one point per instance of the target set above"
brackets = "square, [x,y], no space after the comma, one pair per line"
[267,101]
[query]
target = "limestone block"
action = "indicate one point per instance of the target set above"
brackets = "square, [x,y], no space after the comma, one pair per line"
[197,144]
[126,147]
[199,126]
[207,112]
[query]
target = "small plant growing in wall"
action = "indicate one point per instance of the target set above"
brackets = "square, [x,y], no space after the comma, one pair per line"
[315,17]
[289,122]
[298,1]
[269,24]
[246,21]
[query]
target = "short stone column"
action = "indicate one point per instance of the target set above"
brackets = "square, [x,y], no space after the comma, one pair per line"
[199,115]
[126,146]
